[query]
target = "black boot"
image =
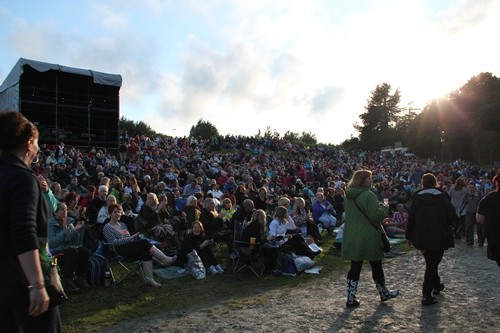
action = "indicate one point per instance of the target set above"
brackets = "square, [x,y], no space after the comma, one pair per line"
[438,289]
[352,288]
[384,293]
[427,298]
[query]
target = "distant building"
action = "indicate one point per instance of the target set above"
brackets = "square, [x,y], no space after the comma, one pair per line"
[78,106]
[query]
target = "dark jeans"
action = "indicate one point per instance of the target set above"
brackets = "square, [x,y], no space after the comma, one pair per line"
[71,261]
[135,250]
[312,229]
[495,251]
[470,221]
[207,256]
[14,304]
[355,270]
[431,276]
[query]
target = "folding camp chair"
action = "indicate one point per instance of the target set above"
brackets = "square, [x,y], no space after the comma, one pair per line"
[245,255]
[129,267]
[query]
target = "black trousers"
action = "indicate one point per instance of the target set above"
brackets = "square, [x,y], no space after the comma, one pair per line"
[135,250]
[14,304]
[71,261]
[355,270]
[495,251]
[431,275]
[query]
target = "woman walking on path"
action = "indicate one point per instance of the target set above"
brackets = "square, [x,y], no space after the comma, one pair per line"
[429,229]
[361,238]
[488,213]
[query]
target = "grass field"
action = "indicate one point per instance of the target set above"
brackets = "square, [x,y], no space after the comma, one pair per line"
[101,307]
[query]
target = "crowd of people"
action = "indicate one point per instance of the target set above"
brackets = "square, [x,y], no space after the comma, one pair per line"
[187,194]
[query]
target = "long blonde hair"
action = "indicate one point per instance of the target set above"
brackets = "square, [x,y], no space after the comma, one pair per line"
[259,217]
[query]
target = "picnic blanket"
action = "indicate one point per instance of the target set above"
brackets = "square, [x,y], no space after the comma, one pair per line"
[170,272]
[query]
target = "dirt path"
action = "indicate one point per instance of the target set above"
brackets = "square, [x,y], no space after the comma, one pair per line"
[470,303]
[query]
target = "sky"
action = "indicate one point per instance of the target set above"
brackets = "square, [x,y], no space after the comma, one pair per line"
[244,66]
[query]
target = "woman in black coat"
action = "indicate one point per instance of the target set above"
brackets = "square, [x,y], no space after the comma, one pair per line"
[430,230]
[24,302]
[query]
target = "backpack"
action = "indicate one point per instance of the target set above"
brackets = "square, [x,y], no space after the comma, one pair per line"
[97,266]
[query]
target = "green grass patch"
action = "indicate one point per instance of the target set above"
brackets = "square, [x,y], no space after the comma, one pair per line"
[132,300]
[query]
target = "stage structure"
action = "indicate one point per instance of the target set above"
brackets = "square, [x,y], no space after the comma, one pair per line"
[80,107]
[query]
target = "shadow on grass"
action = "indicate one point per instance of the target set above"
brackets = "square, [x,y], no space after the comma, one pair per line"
[134,301]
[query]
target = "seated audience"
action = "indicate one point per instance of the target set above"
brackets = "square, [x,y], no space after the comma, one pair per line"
[195,239]
[133,247]
[65,242]
[397,225]
[294,242]
[209,217]
[324,213]
[302,219]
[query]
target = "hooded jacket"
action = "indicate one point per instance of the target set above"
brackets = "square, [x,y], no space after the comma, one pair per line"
[361,238]
[431,220]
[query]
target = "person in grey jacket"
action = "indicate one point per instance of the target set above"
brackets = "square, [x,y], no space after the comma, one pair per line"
[470,204]
[430,229]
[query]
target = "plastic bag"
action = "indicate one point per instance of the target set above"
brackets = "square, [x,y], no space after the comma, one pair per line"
[195,266]
[302,263]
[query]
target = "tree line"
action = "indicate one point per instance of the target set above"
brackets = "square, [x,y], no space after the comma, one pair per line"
[465,123]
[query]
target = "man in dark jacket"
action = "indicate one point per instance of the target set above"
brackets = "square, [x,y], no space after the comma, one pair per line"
[430,230]
[488,214]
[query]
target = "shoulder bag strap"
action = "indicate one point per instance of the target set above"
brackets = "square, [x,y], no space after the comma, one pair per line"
[359,208]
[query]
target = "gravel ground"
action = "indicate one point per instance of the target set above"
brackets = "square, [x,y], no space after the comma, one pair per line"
[470,303]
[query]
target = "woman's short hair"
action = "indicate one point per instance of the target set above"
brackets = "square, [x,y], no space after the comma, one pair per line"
[111,197]
[429,181]
[358,178]
[70,197]
[284,201]
[190,199]
[112,207]
[152,196]
[15,130]
[299,199]
[60,205]
[207,202]
[225,201]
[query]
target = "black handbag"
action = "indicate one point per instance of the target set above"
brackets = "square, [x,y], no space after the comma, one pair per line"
[53,284]
[386,245]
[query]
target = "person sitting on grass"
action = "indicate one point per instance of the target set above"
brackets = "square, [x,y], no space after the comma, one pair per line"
[397,225]
[324,213]
[195,239]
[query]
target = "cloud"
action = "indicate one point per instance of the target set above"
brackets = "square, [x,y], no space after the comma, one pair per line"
[465,15]
[326,100]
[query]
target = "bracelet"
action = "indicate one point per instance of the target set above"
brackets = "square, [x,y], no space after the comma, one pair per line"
[38,286]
